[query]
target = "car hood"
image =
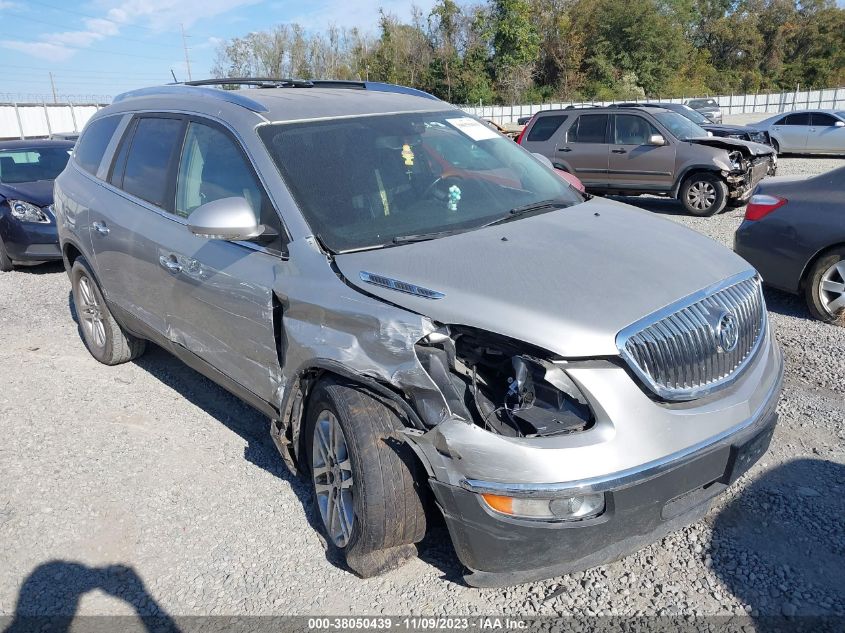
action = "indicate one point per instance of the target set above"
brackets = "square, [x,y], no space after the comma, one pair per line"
[748,148]
[728,129]
[39,192]
[566,281]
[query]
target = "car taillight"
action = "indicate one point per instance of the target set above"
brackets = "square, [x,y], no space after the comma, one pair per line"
[762,205]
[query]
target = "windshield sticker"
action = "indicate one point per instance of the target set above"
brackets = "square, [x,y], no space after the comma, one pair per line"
[475,130]
[454,196]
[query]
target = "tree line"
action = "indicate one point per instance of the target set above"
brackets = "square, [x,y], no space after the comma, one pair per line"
[520,51]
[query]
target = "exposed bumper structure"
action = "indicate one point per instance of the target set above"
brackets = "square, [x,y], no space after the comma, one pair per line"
[741,184]
[646,495]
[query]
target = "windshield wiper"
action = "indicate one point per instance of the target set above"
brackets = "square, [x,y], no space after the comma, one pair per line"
[423,237]
[534,207]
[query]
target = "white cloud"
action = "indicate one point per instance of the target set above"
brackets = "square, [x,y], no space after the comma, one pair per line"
[6,4]
[42,50]
[361,13]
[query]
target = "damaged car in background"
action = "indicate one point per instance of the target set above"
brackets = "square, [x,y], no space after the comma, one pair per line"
[635,149]
[441,324]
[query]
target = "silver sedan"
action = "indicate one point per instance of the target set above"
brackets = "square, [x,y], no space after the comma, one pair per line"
[807,131]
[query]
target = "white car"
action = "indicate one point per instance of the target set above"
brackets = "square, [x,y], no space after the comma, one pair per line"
[807,131]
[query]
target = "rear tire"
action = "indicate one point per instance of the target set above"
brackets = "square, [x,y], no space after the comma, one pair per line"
[824,290]
[103,337]
[703,194]
[6,264]
[353,438]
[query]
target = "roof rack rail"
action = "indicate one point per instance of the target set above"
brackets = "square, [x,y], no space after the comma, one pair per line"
[230,96]
[278,82]
[261,82]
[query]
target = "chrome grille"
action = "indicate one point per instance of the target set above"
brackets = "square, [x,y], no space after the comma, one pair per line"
[696,346]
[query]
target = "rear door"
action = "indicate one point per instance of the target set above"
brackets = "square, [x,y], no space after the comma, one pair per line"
[586,148]
[791,131]
[633,162]
[125,224]
[824,135]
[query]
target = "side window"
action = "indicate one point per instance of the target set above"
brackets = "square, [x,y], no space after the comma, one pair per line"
[545,126]
[212,167]
[589,128]
[154,144]
[819,119]
[781,121]
[91,147]
[802,118]
[632,130]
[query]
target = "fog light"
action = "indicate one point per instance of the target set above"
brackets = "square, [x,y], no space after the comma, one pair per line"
[564,508]
[578,507]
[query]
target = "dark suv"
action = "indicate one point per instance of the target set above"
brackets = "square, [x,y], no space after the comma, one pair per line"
[633,151]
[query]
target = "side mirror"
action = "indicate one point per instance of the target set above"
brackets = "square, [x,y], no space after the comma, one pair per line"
[225,219]
[839,124]
[543,159]
[656,139]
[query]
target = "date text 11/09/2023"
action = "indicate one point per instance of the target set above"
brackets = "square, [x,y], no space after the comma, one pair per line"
[418,623]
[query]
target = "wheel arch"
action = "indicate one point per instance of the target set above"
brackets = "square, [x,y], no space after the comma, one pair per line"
[286,431]
[808,266]
[691,170]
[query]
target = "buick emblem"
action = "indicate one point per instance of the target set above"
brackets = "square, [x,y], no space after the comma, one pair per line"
[727,332]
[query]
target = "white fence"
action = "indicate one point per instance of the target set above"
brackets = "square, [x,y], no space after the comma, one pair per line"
[763,103]
[34,120]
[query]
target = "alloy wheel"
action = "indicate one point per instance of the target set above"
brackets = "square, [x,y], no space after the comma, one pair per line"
[701,195]
[91,313]
[331,470]
[832,288]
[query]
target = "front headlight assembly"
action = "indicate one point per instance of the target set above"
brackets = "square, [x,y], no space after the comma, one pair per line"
[28,212]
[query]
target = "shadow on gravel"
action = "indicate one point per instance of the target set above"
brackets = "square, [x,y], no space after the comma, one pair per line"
[786,304]
[47,268]
[780,545]
[50,595]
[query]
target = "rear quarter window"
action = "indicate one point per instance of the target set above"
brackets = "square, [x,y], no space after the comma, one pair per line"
[545,126]
[93,143]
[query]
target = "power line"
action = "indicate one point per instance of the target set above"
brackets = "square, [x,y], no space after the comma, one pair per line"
[88,15]
[74,71]
[65,26]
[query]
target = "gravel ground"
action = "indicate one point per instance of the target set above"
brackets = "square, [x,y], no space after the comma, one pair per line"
[146,488]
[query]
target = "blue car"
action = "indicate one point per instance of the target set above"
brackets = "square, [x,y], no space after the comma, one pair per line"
[27,225]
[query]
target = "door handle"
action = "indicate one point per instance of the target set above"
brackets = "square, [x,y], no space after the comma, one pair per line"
[101,228]
[170,264]
[619,151]
[564,149]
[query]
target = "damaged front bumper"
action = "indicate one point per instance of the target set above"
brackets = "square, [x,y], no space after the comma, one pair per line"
[741,182]
[658,468]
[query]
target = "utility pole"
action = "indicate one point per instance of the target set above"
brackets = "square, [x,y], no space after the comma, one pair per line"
[185,46]
[53,86]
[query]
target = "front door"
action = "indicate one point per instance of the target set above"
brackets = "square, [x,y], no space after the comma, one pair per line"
[585,147]
[824,135]
[223,307]
[635,163]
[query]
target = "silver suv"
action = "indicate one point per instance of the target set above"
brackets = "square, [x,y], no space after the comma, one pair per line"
[652,150]
[423,308]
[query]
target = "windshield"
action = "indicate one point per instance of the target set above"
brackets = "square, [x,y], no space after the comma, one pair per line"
[703,103]
[681,127]
[693,115]
[31,164]
[374,181]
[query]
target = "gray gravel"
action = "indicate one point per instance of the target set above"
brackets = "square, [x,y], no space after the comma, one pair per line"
[146,488]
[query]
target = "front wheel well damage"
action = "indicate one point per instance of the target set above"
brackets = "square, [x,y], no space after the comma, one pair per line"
[286,431]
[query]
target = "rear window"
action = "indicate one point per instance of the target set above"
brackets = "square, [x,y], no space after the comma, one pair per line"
[703,103]
[589,128]
[95,139]
[545,126]
[153,146]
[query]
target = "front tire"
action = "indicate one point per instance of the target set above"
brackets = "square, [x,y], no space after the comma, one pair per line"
[363,477]
[824,291]
[6,264]
[704,194]
[103,337]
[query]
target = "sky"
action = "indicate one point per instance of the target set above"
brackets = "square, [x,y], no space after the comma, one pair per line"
[99,48]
